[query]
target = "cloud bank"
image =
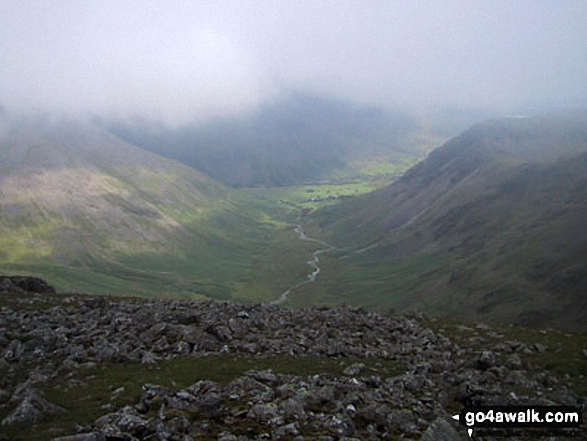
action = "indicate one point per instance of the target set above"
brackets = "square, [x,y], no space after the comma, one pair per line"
[183,60]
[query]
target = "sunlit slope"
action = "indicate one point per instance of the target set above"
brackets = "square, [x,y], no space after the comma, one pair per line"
[95,213]
[75,190]
[490,226]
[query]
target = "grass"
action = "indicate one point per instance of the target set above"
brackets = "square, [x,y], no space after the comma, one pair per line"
[240,246]
[357,282]
[310,197]
[235,250]
[88,393]
[25,242]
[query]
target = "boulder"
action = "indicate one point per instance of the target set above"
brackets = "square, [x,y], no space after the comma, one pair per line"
[31,407]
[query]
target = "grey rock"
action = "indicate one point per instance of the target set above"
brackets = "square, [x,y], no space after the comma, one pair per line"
[210,406]
[189,334]
[85,333]
[266,377]
[321,399]
[262,413]
[31,408]
[402,419]
[148,358]
[202,388]
[286,431]
[486,360]
[28,284]
[513,362]
[14,351]
[132,424]
[155,332]
[440,430]
[222,333]
[292,409]
[354,369]
[374,413]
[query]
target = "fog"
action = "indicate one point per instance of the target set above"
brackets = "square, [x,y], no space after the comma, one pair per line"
[185,61]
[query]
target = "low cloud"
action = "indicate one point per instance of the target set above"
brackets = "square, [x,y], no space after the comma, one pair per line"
[185,60]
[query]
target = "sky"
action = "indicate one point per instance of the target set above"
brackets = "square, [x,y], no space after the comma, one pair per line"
[181,61]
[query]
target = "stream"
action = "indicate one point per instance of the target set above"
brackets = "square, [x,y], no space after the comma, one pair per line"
[313,263]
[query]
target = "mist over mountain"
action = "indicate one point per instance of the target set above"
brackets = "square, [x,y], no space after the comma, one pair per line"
[295,139]
[490,225]
[201,60]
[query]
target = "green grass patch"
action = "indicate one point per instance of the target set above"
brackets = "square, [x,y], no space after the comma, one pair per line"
[239,250]
[359,281]
[310,197]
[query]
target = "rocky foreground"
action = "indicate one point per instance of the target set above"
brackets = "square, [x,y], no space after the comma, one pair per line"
[45,337]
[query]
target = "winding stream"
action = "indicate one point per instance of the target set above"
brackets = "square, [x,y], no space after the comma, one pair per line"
[313,263]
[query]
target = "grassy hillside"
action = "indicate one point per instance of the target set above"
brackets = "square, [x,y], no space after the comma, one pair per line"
[96,214]
[489,226]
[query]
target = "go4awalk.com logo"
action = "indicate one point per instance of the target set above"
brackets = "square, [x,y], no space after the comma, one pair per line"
[520,417]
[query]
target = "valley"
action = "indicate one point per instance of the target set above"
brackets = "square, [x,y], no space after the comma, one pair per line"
[184,306]
[292,140]
[488,227]
[312,263]
[479,229]
[293,221]
[97,215]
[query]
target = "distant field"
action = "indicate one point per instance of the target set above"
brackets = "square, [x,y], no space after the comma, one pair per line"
[309,197]
[362,176]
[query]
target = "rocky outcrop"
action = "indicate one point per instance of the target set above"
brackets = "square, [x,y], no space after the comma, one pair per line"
[99,330]
[31,407]
[28,284]
[437,375]
[263,405]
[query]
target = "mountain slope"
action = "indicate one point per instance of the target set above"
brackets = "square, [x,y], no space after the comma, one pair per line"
[89,187]
[489,226]
[292,140]
[99,214]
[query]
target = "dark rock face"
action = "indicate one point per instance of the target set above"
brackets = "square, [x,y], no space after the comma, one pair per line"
[28,284]
[437,374]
